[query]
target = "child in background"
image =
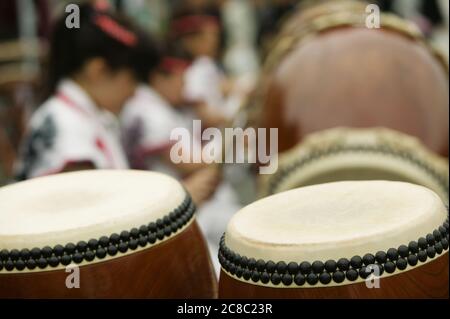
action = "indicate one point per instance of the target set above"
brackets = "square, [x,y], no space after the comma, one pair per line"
[93,71]
[198,38]
[148,120]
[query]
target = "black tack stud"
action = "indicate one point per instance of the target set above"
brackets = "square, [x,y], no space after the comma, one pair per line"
[81,246]
[152,227]
[160,234]
[125,236]
[53,261]
[143,230]
[275,278]
[25,254]
[112,250]
[412,260]
[392,254]
[255,276]
[260,264]
[299,280]
[343,264]
[389,266]
[93,244]
[438,247]
[317,267]
[431,252]
[270,266]
[356,262]
[101,253]
[305,267]
[351,274]
[35,253]
[281,267]
[134,232]
[239,271]
[364,272]
[430,239]
[368,259]
[442,231]
[330,266]
[381,257]
[20,264]
[401,264]
[251,263]
[152,238]
[437,235]
[422,243]
[403,251]
[46,251]
[167,231]
[312,279]
[325,278]
[31,264]
[14,254]
[287,279]
[42,262]
[9,265]
[132,244]
[292,268]
[143,241]
[413,247]
[4,255]
[58,250]
[114,239]
[338,276]
[265,277]
[444,243]
[66,259]
[422,255]
[247,274]
[77,258]
[89,255]
[123,247]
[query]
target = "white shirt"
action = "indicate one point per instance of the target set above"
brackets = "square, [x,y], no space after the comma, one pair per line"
[70,128]
[147,122]
[203,82]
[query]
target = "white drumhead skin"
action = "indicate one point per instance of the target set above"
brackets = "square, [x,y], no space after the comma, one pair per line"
[334,220]
[78,206]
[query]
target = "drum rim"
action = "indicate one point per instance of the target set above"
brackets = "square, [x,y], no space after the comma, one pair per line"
[388,143]
[99,250]
[282,274]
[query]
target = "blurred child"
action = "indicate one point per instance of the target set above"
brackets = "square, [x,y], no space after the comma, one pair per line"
[148,119]
[93,71]
[198,37]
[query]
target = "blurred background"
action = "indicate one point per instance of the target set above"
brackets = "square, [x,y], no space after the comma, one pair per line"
[247,28]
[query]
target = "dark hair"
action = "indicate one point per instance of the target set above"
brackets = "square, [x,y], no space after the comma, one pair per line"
[120,43]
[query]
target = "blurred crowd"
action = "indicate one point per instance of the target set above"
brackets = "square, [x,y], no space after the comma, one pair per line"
[109,94]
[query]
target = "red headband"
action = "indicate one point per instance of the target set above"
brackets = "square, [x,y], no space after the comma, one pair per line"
[172,65]
[192,23]
[115,30]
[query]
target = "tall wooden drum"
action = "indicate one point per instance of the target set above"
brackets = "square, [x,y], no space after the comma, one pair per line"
[328,69]
[360,239]
[358,154]
[102,234]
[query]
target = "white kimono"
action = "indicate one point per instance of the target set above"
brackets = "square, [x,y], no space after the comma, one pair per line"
[69,128]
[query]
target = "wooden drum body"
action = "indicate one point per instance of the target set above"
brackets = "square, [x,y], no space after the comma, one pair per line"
[117,254]
[366,239]
[327,69]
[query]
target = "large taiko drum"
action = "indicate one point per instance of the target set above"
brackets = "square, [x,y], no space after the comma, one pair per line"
[327,69]
[341,154]
[102,234]
[361,239]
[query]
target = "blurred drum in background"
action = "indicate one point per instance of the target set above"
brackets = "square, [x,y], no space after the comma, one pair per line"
[341,154]
[328,69]
[130,234]
[360,239]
